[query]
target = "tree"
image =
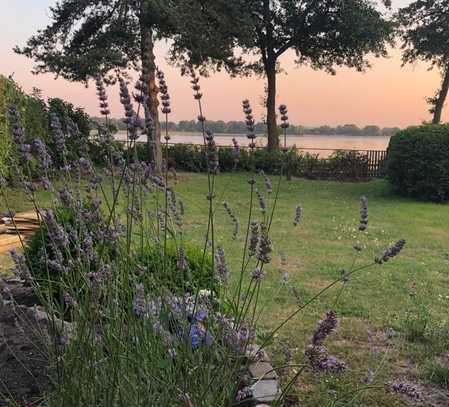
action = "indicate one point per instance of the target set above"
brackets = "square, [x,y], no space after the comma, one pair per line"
[323,34]
[90,38]
[371,131]
[424,30]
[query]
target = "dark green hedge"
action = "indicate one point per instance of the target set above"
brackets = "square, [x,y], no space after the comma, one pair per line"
[418,162]
[342,165]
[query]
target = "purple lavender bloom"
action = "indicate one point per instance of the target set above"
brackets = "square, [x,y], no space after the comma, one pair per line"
[253,239]
[221,268]
[258,274]
[250,123]
[21,269]
[408,389]
[212,153]
[43,157]
[325,327]
[58,134]
[182,261]
[264,249]
[244,394]
[131,118]
[233,218]
[298,216]
[86,166]
[197,90]
[165,97]
[18,134]
[57,234]
[69,300]
[262,205]
[196,336]
[266,181]
[363,214]
[391,252]
[284,117]
[321,361]
[143,306]
[65,196]
[102,96]
[45,182]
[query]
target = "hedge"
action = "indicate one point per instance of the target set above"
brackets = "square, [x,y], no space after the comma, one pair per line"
[418,162]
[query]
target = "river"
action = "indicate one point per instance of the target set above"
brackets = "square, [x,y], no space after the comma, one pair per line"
[315,144]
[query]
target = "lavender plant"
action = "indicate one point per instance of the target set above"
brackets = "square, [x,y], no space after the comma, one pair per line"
[152,326]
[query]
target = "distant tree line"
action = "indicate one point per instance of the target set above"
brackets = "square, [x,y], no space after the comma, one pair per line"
[239,127]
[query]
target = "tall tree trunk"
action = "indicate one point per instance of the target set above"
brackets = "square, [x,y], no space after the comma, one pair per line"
[272,127]
[439,105]
[149,76]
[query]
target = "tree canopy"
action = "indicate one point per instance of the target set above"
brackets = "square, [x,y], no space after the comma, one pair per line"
[324,34]
[424,31]
[90,38]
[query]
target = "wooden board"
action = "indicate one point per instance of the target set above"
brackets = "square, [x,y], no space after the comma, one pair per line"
[26,224]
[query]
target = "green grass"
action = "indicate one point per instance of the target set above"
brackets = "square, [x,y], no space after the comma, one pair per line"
[316,251]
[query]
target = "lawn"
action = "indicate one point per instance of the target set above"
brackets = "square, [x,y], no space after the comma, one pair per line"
[402,294]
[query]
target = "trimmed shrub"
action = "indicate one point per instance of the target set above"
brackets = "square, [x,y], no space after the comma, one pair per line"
[197,274]
[418,162]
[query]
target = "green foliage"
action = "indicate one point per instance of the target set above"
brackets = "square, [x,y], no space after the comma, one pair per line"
[415,323]
[9,93]
[418,162]
[437,371]
[198,274]
[424,31]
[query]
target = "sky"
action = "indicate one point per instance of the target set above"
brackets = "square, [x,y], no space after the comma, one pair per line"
[387,95]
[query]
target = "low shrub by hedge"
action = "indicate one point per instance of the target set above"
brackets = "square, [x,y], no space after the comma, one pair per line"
[418,162]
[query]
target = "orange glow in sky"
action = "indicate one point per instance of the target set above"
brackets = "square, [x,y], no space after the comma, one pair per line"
[386,95]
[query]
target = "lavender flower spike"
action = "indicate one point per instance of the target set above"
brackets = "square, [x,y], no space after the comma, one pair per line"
[298,216]
[233,218]
[165,98]
[325,328]
[101,93]
[253,239]
[266,181]
[262,205]
[21,269]
[363,214]
[391,252]
[18,134]
[250,123]
[44,159]
[264,245]
[221,268]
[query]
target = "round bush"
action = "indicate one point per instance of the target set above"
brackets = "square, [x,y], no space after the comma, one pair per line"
[418,162]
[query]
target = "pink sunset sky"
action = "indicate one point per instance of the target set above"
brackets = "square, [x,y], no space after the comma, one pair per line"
[386,95]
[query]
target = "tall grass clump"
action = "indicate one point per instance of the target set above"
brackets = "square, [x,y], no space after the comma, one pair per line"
[155,321]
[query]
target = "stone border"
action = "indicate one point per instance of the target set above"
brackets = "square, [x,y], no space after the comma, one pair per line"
[264,379]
